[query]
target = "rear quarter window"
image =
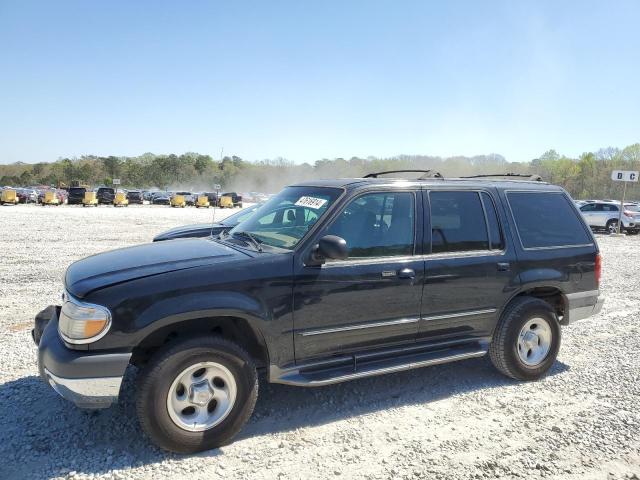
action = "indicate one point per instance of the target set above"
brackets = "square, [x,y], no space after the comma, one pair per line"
[547,220]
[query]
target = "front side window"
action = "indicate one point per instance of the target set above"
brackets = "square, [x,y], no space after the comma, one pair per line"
[458,222]
[285,219]
[547,219]
[377,224]
[589,207]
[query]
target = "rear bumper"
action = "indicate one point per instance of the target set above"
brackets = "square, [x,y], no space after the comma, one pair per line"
[582,305]
[90,380]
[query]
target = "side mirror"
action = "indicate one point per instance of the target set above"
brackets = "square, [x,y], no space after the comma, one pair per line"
[329,246]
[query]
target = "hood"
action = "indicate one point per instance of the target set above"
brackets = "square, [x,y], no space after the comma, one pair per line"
[125,264]
[195,230]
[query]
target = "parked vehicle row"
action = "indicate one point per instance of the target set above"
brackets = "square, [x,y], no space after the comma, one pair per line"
[605,215]
[82,195]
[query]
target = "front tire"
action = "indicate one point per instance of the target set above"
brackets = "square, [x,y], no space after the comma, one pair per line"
[197,394]
[527,340]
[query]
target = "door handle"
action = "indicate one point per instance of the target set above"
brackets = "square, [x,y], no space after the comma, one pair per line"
[407,273]
[503,266]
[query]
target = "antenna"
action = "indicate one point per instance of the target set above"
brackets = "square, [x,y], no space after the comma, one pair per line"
[216,187]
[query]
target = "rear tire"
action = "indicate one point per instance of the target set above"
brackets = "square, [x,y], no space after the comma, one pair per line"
[612,226]
[527,340]
[161,386]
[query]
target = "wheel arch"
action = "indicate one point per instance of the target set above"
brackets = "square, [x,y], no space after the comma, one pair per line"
[230,326]
[551,294]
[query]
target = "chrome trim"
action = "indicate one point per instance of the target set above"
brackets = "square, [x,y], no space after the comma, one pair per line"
[91,393]
[460,314]
[95,338]
[401,321]
[289,378]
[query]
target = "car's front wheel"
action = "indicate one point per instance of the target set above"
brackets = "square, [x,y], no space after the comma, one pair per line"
[526,342]
[197,394]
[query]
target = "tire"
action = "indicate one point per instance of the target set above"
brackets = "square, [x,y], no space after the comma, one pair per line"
[158,379]
[612,226]
[507,351]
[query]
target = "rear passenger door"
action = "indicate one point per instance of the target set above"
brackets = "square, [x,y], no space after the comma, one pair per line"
[469,271]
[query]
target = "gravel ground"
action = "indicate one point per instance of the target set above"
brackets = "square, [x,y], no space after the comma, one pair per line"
[461,420]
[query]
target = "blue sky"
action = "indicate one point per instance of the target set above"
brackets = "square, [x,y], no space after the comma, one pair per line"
[307,80]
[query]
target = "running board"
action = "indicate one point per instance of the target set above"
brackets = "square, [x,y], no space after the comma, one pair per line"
[356,366]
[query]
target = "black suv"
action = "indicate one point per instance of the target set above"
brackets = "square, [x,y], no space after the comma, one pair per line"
[135,197]
[328,281]
[76,195]
[105,195]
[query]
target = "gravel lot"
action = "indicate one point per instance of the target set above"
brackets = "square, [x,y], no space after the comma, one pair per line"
[461,420]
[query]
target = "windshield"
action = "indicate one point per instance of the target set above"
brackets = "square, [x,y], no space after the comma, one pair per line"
[632,207]
[286,218]
[243,214]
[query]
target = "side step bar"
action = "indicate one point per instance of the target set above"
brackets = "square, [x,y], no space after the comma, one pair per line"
[368,365]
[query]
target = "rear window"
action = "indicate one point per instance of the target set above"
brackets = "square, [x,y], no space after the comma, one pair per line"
[546,220]
[458,222]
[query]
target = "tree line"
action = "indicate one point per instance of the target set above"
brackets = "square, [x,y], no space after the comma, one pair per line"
[588,176]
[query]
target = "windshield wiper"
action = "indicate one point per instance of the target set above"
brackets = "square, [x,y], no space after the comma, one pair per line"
[252,240]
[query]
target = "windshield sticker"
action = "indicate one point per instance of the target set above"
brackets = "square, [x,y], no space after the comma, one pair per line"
[311,202]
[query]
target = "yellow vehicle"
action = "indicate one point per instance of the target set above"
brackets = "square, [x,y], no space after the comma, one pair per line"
[178,201]
[226,202]
[120,200]
[9,196]
[203,201]
[90,199]
[50,198]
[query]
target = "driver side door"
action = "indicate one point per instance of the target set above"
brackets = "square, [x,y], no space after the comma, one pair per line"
[373,298]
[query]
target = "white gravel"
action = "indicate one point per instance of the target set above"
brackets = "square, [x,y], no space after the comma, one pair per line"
[462,420]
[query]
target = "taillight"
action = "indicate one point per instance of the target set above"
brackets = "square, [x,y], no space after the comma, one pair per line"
[629,213]
[598,269]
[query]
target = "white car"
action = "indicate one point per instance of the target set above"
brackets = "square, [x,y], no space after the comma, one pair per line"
[605,215]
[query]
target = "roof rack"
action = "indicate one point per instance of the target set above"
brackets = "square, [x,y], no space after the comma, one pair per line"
[427,173]
[531,177]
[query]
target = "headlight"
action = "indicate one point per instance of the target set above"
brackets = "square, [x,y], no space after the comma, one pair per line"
[83,322]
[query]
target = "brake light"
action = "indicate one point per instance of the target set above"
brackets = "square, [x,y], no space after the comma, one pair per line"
[598,269]
[629,213]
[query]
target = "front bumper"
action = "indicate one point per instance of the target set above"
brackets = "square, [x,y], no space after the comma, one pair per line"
[90,380]
[582,305]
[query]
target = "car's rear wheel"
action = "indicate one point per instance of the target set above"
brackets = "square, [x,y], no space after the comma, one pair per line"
[197,394]
[527,340]
[612,226]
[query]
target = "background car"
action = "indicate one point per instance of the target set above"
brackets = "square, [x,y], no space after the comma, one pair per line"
[27,195]
[76,195]
[161,198]
[135,197]
[604,215]
[235,198]
[207,229]
[105,195]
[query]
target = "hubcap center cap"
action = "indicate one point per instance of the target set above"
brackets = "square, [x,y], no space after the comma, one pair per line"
[530,340]
[200,393]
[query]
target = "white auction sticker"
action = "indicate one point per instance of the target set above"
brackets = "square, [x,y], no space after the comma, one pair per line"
[310,202]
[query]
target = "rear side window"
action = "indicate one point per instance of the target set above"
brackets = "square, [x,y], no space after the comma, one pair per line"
[546,219]
[457,222]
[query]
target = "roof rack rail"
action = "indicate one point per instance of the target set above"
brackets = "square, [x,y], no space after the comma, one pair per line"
[427,173]
[532,177]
